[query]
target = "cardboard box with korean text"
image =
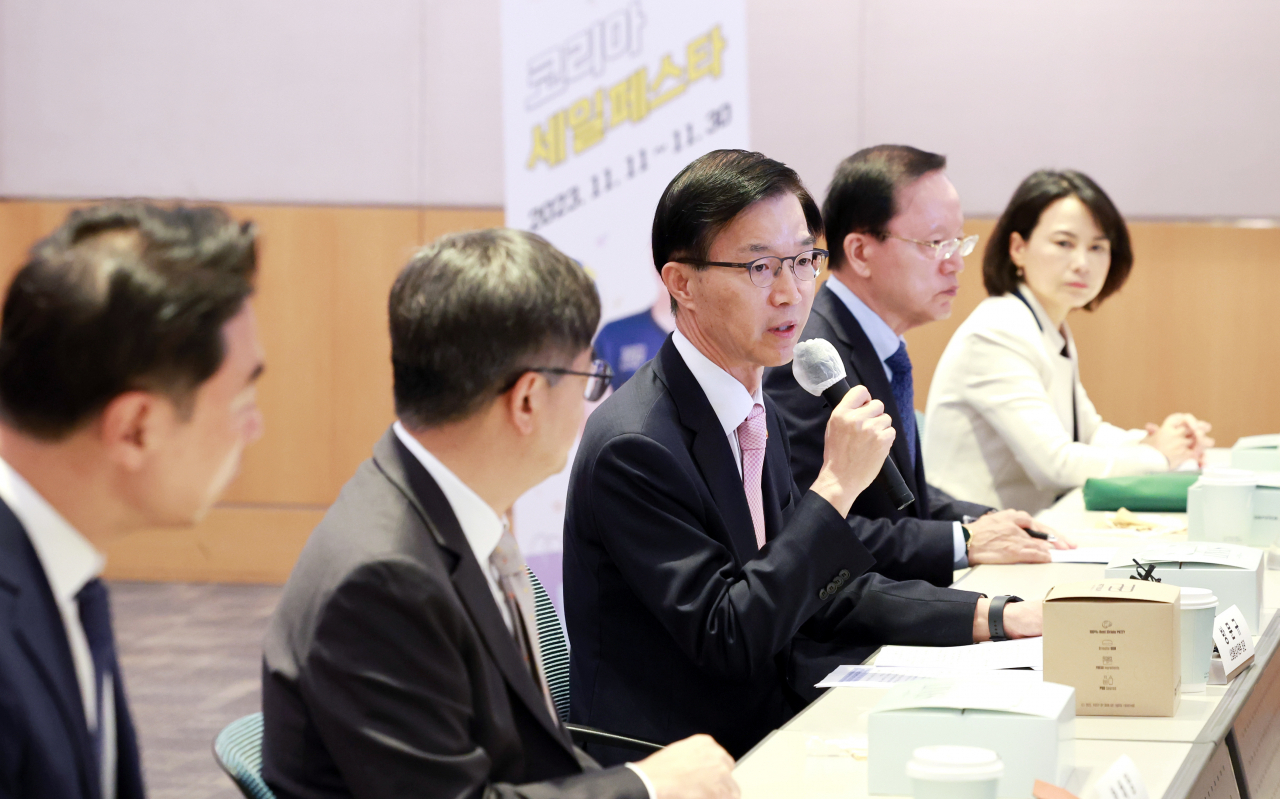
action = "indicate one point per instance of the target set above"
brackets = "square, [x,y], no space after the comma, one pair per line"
[1118,643]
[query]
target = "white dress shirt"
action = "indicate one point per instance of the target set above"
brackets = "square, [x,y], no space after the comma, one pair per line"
[69,562]
[729,399]
[886,342]
[482,527]
[1000,429]
[480,523]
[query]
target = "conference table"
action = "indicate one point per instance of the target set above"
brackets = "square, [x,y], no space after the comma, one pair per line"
[1197,753]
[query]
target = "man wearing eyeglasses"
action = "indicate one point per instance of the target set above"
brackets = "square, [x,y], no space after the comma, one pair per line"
[403,659]
[896,232]
[699,580]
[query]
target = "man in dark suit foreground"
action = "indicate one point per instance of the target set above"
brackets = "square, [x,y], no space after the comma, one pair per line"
[403,659]
[128,359]
[699,580]
[896,233]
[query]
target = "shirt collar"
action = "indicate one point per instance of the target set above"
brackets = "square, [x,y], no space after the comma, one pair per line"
[1054,336]
[728,398]
[68,559]
[883,340]
[479,522]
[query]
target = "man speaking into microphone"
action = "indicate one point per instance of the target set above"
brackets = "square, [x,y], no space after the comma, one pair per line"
[698,578]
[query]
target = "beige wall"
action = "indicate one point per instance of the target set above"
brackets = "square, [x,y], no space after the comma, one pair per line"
[1195,329]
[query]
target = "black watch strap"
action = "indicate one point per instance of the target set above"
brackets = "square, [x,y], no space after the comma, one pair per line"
[995,616]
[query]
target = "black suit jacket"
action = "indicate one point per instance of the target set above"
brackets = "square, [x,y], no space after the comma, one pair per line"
[678,623]
[388,669]
[45,748]
[915,543]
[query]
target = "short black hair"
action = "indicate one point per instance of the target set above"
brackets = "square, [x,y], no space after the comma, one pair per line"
[710,192]
[863,194]
[1040,190]
[123,296]
[473,310]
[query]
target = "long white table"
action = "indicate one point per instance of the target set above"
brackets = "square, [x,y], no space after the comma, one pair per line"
[785,764]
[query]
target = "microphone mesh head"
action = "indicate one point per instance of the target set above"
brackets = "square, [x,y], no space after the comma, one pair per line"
[817,366]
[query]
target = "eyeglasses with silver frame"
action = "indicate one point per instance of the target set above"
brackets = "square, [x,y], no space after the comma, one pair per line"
[942,250]
[765,270]
[599,378]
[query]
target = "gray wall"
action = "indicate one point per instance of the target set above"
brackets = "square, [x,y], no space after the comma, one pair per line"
[1170,104]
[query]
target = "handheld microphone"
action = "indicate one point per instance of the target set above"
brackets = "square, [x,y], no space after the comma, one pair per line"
[818,369]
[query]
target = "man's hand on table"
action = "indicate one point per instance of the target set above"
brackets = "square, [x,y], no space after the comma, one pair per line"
[695,768]
[1001,537]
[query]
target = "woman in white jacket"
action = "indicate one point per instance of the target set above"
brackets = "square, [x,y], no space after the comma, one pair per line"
[1008,423]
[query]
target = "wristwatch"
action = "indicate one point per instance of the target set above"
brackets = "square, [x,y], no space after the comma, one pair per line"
[967,535]
[995,616]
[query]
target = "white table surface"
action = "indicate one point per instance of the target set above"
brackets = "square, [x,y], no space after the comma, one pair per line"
[781,765]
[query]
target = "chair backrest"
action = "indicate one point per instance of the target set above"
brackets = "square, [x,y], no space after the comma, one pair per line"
[238,750]
[554,645]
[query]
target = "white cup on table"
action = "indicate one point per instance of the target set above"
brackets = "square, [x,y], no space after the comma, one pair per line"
[1199,607]
[954,772]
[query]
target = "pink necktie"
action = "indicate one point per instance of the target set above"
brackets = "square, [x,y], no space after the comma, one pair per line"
[751,440]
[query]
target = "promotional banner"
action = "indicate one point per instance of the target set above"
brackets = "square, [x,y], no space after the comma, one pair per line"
[603,103]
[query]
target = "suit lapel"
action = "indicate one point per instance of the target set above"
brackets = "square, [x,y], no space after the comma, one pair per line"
[412,479]
[711,450]
[866,368]
[37,627]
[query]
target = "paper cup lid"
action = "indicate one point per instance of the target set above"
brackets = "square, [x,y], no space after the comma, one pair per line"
[1219,476]
[1197,598]
[954,764]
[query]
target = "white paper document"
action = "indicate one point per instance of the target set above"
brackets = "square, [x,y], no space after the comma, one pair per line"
[1032,699]
[867,677]
[1240,557]
[1083,555]
[886,676]
[1022,653]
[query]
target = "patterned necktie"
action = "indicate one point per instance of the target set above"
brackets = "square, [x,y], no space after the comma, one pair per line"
[904,397]
[95,617]
[514,582]
[752,435]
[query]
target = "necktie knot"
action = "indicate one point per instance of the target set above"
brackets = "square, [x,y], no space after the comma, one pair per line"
[95,616]
[753,432]
[506,557]
[900,363]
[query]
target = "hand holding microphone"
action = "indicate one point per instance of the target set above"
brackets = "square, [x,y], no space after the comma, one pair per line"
[859,434]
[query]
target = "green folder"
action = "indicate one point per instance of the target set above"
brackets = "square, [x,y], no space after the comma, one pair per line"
[1165,493]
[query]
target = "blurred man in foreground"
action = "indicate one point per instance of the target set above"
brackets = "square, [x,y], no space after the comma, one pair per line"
[403,659]
[128,362]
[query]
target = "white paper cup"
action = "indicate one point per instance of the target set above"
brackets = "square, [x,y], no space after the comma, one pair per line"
[1199,606]
[954,772]
[1227,502]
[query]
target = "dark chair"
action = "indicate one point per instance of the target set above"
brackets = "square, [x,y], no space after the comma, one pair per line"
[238,750]
[555,662]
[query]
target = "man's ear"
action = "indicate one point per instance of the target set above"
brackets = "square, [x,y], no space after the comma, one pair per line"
[523,402]
[133,424]
[856,255]
[677,278]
